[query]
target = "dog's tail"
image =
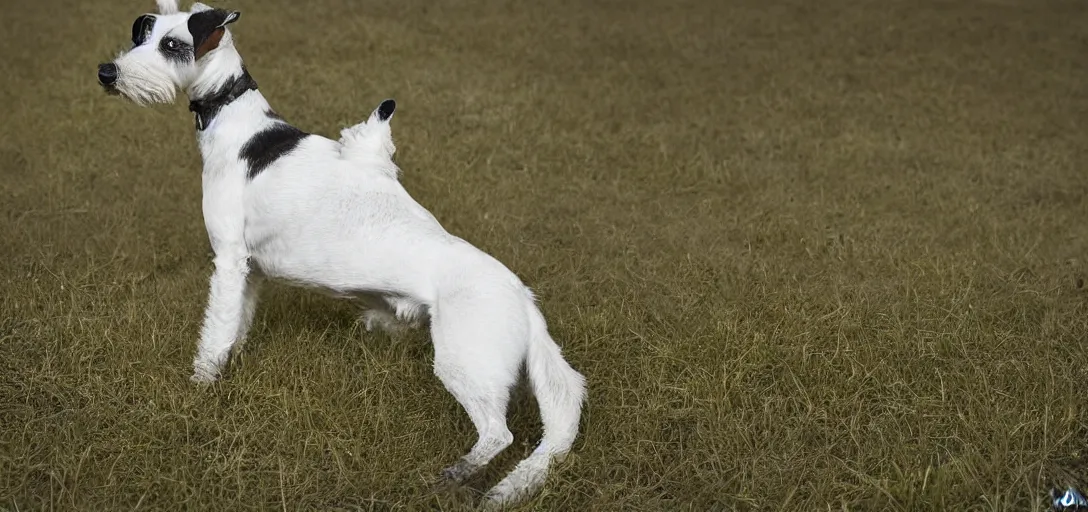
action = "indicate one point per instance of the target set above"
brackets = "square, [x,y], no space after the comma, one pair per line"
[371,141]
[560,391]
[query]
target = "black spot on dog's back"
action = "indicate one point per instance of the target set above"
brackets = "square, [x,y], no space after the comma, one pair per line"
[269,145]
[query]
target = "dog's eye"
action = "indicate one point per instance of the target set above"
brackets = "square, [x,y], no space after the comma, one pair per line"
[141,29]
[175,49]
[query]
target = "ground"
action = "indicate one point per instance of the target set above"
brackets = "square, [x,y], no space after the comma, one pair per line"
[809,256]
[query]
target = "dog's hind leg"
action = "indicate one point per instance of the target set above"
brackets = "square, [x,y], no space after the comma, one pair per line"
[473,358]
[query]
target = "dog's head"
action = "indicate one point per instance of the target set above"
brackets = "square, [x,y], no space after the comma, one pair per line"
[170,50]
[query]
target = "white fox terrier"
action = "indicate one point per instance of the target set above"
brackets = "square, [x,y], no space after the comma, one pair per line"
[284,204]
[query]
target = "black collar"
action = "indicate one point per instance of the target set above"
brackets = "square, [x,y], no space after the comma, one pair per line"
[207,107]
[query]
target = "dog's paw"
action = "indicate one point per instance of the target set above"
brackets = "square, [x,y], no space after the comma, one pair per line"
[201,379]
[499,498]
[458,472]
[370,321]
[377,320]
[204,374]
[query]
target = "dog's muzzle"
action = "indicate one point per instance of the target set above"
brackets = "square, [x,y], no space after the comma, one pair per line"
[107,74]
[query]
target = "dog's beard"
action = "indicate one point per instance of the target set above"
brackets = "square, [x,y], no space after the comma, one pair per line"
[144,85]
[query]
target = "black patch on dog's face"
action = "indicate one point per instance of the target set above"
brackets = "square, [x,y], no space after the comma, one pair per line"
[269,145]
[141,29]
[175,50]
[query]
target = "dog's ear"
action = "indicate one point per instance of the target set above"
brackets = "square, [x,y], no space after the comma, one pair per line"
[207,28]
[198,7]
[167,6]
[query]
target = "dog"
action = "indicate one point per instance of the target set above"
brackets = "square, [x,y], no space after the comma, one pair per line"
[297,207]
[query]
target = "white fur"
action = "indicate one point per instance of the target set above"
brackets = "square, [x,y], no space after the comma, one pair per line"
[331,215]
[370,143]
[167,6]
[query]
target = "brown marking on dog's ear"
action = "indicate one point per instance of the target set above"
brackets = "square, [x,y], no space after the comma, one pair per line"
[208,27]
[210,43]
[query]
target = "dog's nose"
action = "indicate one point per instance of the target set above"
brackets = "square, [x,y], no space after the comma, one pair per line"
[107,73]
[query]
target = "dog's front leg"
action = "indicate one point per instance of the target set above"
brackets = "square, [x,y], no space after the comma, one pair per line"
[249,308]
[225,317]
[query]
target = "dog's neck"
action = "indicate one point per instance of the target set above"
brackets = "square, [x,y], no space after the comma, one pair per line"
[224,79]
[206,107]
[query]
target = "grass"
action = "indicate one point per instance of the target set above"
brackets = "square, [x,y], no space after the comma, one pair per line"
[809,256]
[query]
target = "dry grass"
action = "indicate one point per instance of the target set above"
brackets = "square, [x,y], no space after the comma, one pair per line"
[810,255]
